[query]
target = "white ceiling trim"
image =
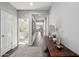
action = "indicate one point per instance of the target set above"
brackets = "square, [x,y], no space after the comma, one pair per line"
[35,6]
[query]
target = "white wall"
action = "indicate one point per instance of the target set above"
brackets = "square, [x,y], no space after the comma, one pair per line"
[8,7]
[5,6]
[65,16]
[28,14]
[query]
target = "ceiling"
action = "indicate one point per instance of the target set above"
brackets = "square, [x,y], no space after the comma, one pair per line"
[35,6]
[39,17]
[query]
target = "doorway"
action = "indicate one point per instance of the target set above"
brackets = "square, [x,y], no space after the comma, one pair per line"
[41,23]
[23,31]
[40,28]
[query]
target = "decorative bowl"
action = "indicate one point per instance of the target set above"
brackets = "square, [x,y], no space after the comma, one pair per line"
[59,47]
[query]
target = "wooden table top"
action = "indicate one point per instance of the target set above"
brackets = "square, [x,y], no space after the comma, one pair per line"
[65,52]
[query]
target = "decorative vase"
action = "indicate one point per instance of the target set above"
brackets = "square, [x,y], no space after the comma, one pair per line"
[58,41]
[54,40]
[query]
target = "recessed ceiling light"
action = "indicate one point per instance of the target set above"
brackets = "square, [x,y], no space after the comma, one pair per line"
[31,3]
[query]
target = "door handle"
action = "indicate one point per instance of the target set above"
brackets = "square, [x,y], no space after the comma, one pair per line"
[3,35]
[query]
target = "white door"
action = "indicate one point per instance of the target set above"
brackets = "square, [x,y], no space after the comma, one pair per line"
[14,31]
[5,32]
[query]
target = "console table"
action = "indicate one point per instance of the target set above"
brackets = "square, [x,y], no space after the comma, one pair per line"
[54,52]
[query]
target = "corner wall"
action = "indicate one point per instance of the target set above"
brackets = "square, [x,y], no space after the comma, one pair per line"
[65,15]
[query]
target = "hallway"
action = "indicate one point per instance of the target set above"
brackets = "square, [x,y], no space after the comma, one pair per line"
[40,42]
[26,28]
[31,51]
